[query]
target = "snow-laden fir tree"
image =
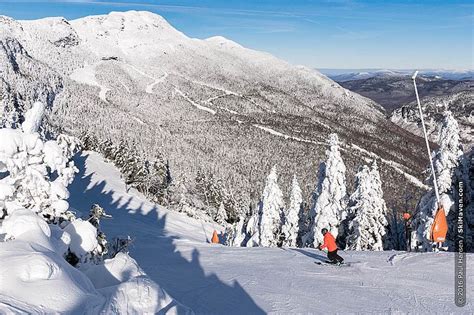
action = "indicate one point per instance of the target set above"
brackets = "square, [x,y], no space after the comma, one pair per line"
[35,173]
[272,207]
[151,175]
[292,215]
[446,160]
[252,229]
[367,212]
[221,216]
[238,234]
[330,197]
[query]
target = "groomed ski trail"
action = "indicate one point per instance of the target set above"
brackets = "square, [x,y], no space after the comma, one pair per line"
[172,249]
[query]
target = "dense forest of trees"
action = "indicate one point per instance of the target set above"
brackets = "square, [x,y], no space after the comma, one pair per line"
[361,220]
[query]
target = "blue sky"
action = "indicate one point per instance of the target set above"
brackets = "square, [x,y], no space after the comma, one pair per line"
[322,34]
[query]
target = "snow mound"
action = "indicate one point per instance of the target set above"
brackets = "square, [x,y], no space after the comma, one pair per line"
[12,139]
[35,277]
[24,221]
[121,268]
[39,268]
[129,290]
[83,237]
[40,277]
[141,295]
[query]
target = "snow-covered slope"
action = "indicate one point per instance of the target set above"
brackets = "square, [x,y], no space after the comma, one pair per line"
[131,78]
[213,279]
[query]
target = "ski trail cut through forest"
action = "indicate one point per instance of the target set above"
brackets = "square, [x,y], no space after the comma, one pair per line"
[149,87]
[279,134]
[86,75]
[103,93]
[394,165]
[207,109]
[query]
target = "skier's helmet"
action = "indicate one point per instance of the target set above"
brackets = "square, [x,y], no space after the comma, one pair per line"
[324,231]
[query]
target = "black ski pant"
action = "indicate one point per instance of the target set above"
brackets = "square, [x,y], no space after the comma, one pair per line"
[334,257]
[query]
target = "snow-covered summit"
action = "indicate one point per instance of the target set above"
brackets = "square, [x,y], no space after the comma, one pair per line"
[223,42]
[132,32]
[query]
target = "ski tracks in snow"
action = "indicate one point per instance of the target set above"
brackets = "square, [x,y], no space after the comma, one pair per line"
[399,257]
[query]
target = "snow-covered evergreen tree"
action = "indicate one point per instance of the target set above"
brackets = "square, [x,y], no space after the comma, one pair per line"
[367,212]
[238,234]
[252,228]
[446,159]
[221,215]
[35,173]
[330,197]
[272,206]
[151,176]
[292,215]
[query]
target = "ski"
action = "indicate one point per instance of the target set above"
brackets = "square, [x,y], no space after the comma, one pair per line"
[327,263]
[346,264]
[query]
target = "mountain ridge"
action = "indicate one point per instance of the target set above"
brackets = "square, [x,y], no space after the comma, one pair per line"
[199,102]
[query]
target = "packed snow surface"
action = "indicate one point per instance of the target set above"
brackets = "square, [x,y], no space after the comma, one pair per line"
[173,250]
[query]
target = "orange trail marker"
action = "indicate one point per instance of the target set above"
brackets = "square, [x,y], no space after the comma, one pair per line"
[215,238]
[439,227]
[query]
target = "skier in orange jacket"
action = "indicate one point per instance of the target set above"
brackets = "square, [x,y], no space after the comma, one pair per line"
[330,244]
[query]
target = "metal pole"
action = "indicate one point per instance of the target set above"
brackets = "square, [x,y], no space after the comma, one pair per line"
[435,183]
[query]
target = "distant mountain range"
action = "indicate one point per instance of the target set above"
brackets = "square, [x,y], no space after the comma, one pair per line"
[392,92]
[461,104]
[439,90]
[342,75]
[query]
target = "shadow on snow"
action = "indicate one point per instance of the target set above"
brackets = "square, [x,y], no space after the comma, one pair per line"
[156,253]
[311,254]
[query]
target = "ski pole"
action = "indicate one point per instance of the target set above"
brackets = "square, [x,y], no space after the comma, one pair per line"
[435,183]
